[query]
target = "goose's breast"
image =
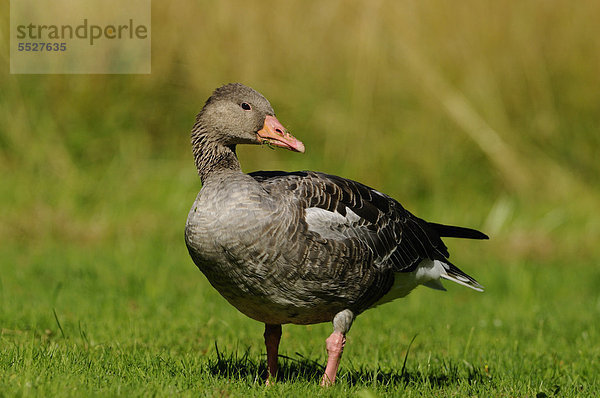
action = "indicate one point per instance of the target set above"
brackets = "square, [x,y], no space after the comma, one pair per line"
[221,224]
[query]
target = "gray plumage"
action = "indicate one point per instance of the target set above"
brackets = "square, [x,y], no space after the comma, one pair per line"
[296,247]
[301,247]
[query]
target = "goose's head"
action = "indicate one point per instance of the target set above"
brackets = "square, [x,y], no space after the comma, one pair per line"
[236,114]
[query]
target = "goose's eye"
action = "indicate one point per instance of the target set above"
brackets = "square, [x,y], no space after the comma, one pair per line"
[245,106]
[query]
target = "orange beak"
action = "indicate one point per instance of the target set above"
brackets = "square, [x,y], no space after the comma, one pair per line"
[273,133]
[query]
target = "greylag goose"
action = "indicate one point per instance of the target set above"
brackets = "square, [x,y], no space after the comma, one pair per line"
[302,247]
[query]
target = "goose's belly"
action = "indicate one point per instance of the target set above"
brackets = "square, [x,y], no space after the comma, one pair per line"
[262,292]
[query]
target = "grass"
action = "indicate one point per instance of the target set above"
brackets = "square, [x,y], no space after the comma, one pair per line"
[143,321]
[466,119]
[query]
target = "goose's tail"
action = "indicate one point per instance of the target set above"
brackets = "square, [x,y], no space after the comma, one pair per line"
[454,274]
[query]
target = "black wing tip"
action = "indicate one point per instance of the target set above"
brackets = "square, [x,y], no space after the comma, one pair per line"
[480,235]
[451,231]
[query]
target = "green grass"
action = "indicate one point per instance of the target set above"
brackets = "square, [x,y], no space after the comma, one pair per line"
[141,320]
[477,113]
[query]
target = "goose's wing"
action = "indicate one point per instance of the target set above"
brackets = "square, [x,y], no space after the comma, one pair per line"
[344,210]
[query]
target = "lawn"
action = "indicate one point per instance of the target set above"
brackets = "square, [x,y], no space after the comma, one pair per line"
[485,122]
[121,309]
[138,319]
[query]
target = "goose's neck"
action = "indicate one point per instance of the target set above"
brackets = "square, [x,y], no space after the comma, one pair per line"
[213,158]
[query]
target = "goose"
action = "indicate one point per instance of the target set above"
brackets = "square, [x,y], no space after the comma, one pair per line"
[301,247]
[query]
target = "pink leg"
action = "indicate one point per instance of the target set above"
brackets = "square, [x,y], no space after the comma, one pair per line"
[335,347]
[272,338]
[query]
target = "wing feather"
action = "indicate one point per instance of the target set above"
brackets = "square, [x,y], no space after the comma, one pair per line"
[397,239]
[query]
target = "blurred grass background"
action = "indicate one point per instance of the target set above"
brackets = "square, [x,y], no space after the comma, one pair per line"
[488,110]
[476,113]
